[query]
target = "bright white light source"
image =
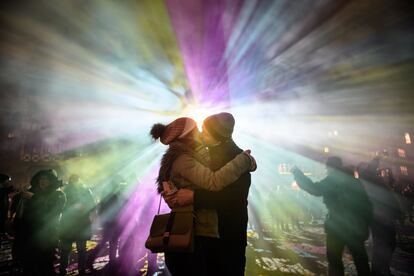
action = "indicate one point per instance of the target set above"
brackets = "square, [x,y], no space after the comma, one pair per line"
[407,138]
[401,153]
[356,174]
[284,168]
[198,114]
[404,170]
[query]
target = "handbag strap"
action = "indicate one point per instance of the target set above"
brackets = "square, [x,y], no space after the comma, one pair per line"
[171,217]
[159,206]
[166,236]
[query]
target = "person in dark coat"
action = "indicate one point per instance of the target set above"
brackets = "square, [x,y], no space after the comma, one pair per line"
[109,210]
[230,203]
[5,189]
[386,213]
[40,223]
[348,218]
[75,225]
[19,201]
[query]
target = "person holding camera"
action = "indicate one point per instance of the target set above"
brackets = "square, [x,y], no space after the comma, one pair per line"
[40,223]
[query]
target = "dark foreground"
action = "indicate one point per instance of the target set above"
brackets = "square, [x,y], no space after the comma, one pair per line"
[272,252]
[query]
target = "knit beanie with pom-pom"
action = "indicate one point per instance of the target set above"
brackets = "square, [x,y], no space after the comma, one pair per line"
[177,129]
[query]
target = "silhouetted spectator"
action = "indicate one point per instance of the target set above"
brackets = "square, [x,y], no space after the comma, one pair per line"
[386,212]
[19,201]
[405,197]
[408,194]
[75,225]
[109,209]
[5,189]
[40,223]
[348,218]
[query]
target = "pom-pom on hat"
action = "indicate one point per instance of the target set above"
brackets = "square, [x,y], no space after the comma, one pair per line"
[220,125]
[177,129]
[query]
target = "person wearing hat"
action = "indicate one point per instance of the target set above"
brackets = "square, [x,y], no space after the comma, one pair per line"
[40,221]
[5,189]
[349,214]
[185,164]
[230,203]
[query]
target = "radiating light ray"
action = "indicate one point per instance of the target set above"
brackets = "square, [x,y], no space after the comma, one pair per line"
[96,75]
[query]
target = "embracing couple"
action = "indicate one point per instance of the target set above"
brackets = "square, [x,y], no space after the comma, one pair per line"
[213,177]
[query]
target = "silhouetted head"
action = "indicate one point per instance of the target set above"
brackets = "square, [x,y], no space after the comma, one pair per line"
[333,164]
[4,178]
[218,128]
[44,180]
[182,129]
[374,164]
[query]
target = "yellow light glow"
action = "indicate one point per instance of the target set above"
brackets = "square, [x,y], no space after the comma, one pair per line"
[198,114]
[295,186]
[401,153]
[404,170]
[356,174]
[407,138]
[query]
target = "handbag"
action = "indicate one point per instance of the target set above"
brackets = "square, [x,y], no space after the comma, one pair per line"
[172,232]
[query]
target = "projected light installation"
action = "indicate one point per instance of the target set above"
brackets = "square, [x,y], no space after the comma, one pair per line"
[304,80]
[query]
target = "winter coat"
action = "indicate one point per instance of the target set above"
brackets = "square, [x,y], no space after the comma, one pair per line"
[231,202]
[186,168]
[349,209]
[109,210]
[386,207]
[41,218]
[4,200]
